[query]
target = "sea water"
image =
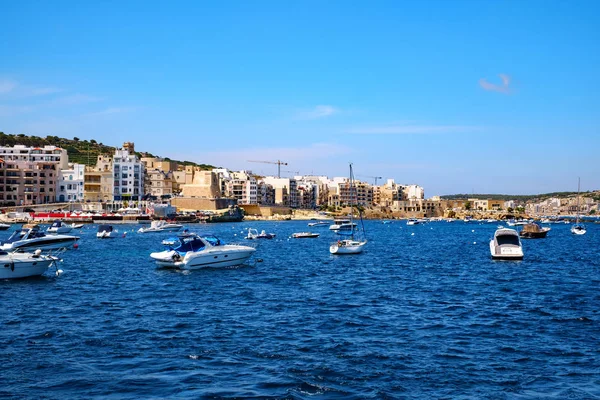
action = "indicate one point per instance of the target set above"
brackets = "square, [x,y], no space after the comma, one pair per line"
[422,313]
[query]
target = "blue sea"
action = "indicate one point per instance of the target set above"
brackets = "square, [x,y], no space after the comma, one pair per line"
[423,313]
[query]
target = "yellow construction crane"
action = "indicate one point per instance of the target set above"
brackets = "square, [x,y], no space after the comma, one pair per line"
[278,162]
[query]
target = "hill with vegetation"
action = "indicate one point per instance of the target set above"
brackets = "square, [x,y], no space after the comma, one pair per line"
[520,198]
[79,151]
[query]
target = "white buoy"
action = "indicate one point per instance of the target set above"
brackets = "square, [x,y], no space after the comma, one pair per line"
[58,272]
[412,234]
[472,230]
[474,242]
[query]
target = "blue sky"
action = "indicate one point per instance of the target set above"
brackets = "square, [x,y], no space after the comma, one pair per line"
[457,96]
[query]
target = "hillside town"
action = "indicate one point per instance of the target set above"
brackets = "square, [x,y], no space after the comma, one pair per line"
[33,176]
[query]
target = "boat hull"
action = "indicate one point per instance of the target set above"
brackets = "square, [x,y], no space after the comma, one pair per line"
[15,268]
[42,245]
[347,247]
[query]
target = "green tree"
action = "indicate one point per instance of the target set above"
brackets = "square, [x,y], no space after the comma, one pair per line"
[467,205]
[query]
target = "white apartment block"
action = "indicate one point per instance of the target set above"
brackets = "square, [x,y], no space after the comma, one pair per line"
[243,187]
[128,174]
[414,192]
[70,183]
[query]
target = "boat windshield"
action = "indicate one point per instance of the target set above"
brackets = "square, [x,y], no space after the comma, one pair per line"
[24,234]
[56,224]
[508,240]
[213,240]
[105,228]
[189,244]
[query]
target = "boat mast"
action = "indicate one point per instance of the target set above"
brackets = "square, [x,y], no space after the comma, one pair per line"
[351,203]
[577,215]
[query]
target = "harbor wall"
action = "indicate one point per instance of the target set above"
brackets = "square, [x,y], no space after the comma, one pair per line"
[196,203]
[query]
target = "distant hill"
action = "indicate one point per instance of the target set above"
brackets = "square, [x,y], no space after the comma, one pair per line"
[523,198]
[80,151]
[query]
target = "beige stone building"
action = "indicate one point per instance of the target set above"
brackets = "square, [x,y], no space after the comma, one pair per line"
[98,181]
[205,185]
[159,180]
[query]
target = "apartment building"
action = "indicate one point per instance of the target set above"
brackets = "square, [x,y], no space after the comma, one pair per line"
[28,175]
[242,186]
[360,193]
[98,181]
[128,174]
[286,191]
[70,185]
[159,180]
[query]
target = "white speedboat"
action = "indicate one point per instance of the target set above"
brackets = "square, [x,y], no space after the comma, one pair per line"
[413,221]
[76,226]
[23,265]
[253,234]
[160,226]
[195,252]
[304,235]
[59,227]
[506,245]
[319,223]
[342,224]
[578,229]
[106,232]
[30,238]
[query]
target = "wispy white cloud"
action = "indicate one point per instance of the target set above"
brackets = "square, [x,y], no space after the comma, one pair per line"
[320,111]
[111,110]
[9,111]
[412,129]
[502,88]
[75,99]
[7,86]
[39,90]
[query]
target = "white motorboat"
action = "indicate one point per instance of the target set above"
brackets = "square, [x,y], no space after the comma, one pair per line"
[4,227]
[351,245]
[342,224]
[30,238]
[160,226]
[506,245]
[577,228]
[304,235]
[319,223]
[413,221]
[253,234]
[76,226]
[23,265]
[106,232]
[195,252]
[59,227]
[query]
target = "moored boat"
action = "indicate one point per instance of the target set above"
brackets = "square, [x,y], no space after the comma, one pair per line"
[506,245]
[106,232]
[304,235]
[318,223]
[160,226]
[59,227]
[351,245]
[23,265]
[533,231]
[253,234]
[30,238]
[195,252]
